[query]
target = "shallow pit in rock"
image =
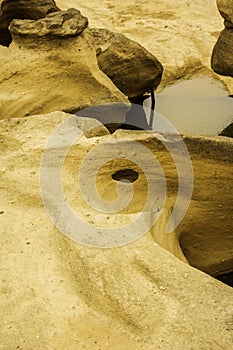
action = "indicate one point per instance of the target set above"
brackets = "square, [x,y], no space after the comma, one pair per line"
[200,106]
[125,175]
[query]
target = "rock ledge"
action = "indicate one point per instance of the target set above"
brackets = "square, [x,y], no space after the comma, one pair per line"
[59,24]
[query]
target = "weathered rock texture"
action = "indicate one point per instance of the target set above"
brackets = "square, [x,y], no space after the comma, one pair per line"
[57,294]
[222,56]
[62,24]
[226,9]
[22,9]
[131,67]
[50,66]
[181,36]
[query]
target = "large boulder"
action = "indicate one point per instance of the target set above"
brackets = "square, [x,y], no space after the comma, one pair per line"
[222,56]
[132,68]
[50,65]
[22,9]
[225,7]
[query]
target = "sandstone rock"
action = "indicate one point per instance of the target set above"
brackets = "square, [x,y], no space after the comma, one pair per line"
[169,32]
[70,294]
[22,9]
[226,9]
[57,24]
[131,67]
[46,71]
[222,55]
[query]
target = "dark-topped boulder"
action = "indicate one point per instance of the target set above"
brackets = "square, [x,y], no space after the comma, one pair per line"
[222,56]
[22,9]
[132,68]
[50,65]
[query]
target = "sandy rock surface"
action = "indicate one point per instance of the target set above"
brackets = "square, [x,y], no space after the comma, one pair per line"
[149,294]
[40,74]
[57,294]
[181,36]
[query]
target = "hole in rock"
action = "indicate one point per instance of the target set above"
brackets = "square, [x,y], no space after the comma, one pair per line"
[125,175]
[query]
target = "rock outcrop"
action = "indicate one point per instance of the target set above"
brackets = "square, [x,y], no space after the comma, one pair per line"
[226,9]
[56,291]
[222,56]
[50,65]
[132,68]
[22,9]
[63,24]
[181,36]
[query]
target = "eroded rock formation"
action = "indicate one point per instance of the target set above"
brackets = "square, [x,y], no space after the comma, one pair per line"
[56,291]
[61,24]
[22,9]
[226,9]
[222,56]
[50,65]
[132,68]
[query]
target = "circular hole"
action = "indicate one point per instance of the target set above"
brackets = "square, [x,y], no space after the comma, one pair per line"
[125,175]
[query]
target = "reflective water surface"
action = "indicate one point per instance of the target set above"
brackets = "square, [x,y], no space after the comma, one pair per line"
[198,106]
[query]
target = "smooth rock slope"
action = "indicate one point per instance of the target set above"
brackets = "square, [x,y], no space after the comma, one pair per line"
[57,294]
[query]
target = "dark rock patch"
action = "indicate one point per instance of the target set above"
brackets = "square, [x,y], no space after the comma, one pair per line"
[132,68]
[22,9]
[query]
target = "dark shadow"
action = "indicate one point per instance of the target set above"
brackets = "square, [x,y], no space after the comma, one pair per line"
[226,278]
[125,175]
[135,118]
